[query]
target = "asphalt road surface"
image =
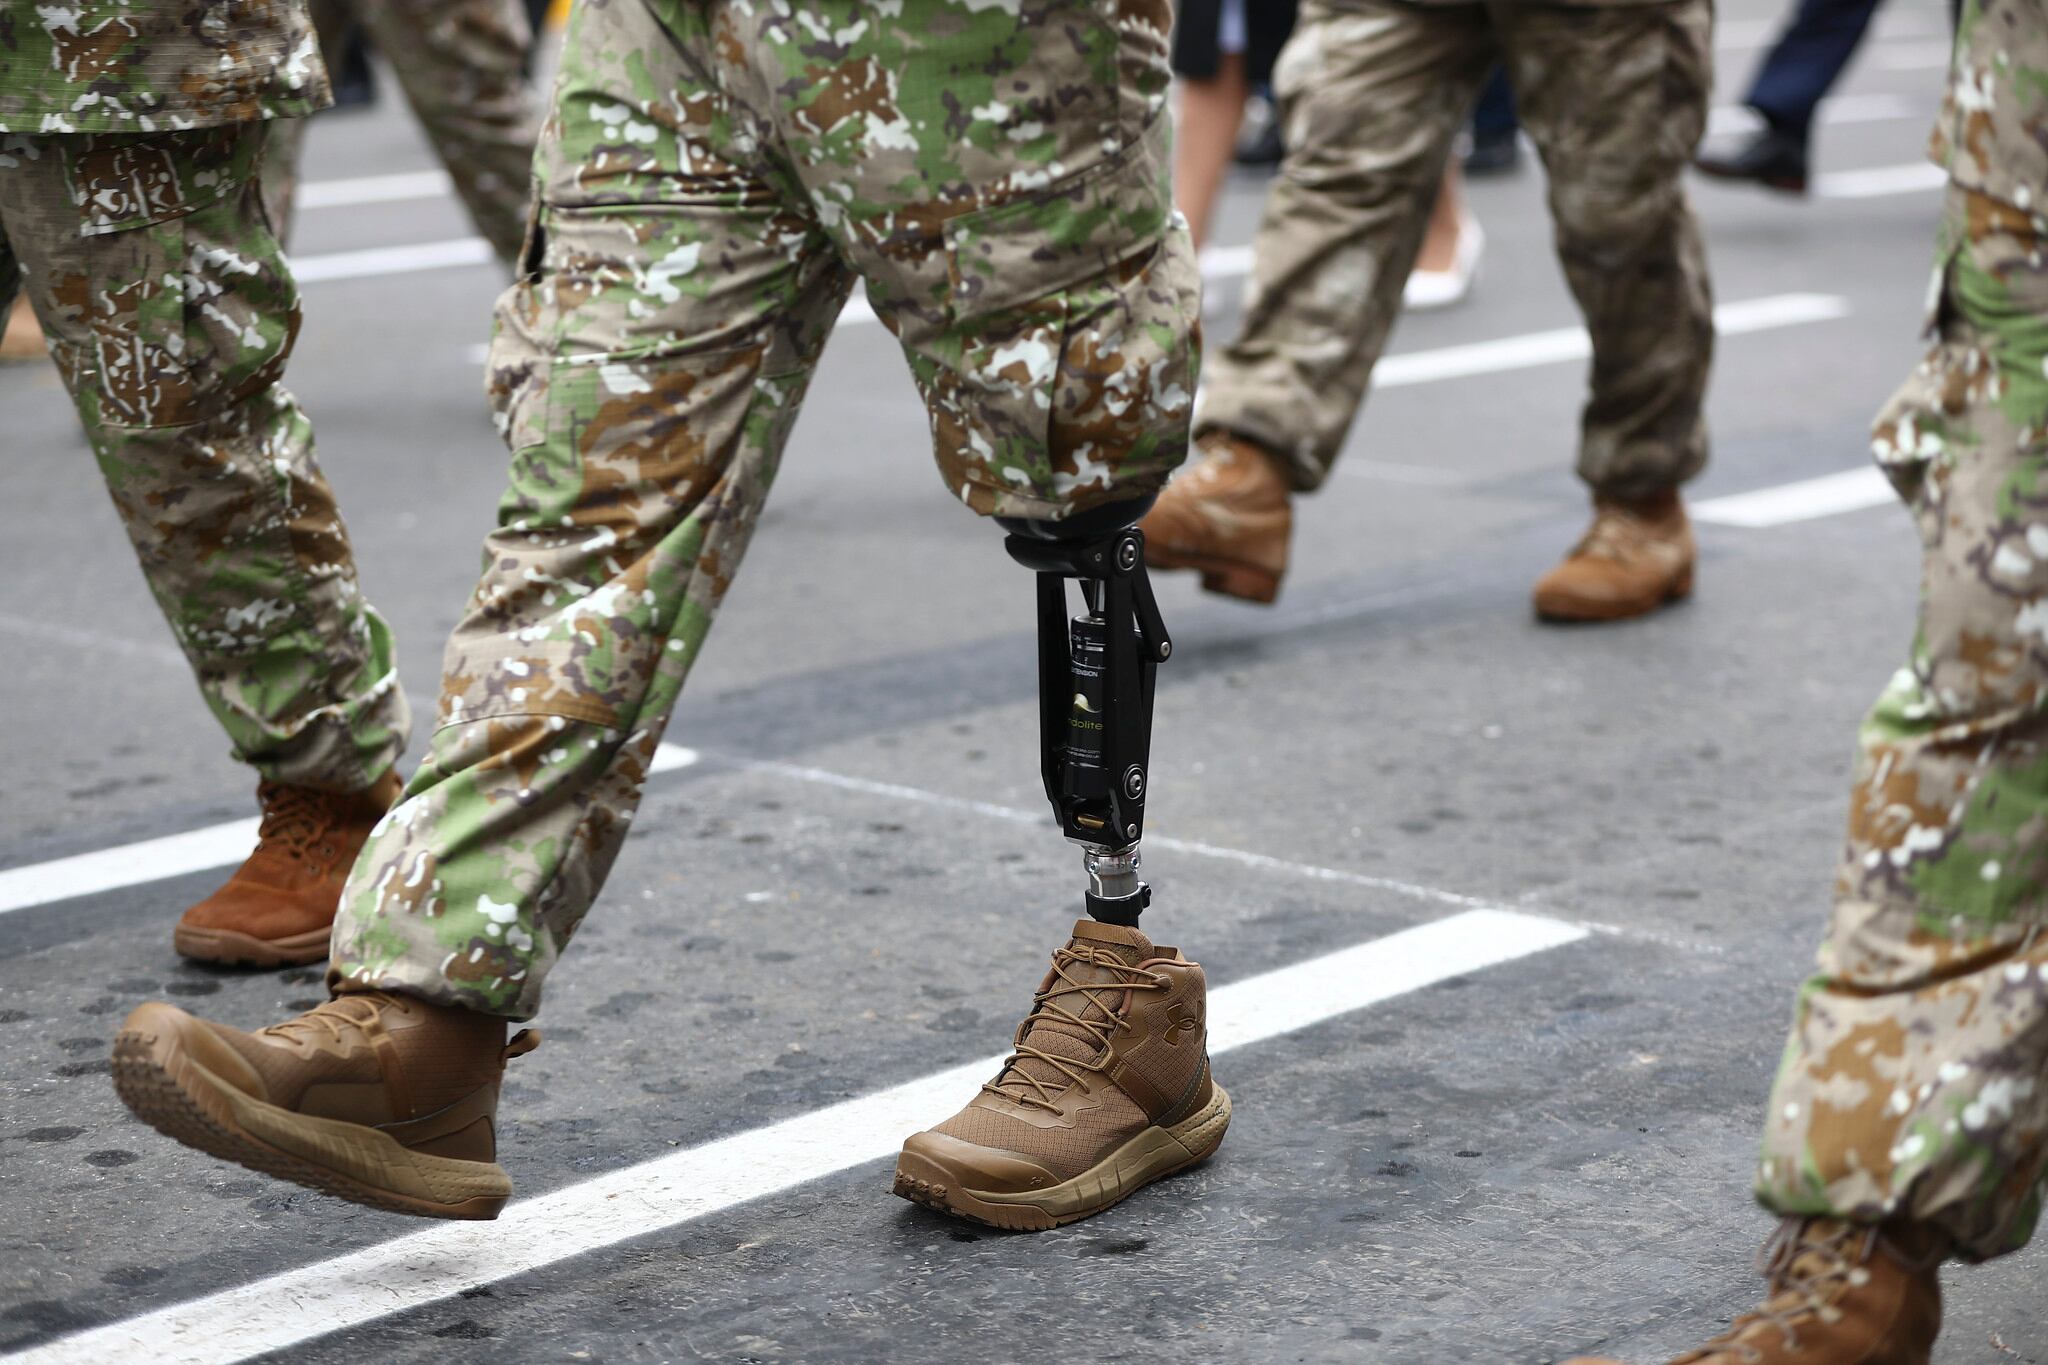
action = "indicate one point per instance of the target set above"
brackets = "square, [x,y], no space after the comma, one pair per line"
[1573,874]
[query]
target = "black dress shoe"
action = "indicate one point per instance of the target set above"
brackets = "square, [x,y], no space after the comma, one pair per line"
[1772,158]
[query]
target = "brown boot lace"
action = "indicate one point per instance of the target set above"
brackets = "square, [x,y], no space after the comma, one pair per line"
[1097,1020]
[299,822]
[332,1021]
[1806,1264]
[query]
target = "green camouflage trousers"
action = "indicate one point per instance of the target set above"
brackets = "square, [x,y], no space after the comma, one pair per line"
[714,178]
[1916,1080]
[170,311]
[462,65]
[1373,93]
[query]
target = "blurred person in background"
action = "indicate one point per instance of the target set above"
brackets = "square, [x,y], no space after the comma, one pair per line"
[1794,76]
[1615,97]
[1222,50]
[1225,49]
[1909,1122]
[131,219]
[1496,129]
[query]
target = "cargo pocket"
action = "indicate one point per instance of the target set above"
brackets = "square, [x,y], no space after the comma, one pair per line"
[192,305]
[1022,278]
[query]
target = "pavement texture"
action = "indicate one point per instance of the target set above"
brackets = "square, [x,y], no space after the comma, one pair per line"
[1546,1157]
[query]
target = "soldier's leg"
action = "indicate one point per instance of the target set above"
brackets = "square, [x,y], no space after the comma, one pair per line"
[1915,1084]
[171,312]
[1615,99]
[671,301]
[462,65]
[1909,1122]
[1372,92]
[647,365]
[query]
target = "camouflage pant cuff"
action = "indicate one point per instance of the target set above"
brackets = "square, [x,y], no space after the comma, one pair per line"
[417,983]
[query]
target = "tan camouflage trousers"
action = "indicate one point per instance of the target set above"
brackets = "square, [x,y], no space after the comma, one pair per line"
[170,311]
[1916,1079]
[715,178]
[1373,93]
[462,66]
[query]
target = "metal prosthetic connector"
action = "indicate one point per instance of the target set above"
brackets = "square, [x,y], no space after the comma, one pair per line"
[1095,676]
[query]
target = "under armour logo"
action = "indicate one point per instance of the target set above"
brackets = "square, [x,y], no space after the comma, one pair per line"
[1182,1018]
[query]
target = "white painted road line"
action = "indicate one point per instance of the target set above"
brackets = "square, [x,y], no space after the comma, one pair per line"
[1850,491]
[1571,343]
[152,860]
[374,189]
[1915,177]
[377,262]
[426,1267]
[174,855]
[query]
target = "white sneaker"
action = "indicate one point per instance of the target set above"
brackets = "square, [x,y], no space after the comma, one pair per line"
[1428,290]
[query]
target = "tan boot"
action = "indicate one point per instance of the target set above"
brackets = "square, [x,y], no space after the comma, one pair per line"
[379,1099]
[1840,1294]
[1637,555]
[21,338]
[1108,1090]
[278,907]
[1228,518]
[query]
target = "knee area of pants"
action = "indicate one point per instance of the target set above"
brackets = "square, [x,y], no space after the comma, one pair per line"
[1339,172]
[1619,214]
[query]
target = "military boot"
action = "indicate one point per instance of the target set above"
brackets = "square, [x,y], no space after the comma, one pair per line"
[1637,555]
[1108,1090]
[278,908]
[1840,1294]
[1228,518]
[380,1099]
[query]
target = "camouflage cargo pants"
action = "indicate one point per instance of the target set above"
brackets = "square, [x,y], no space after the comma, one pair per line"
[714,179]
[170,312]
[1916,1079]
[1373,93]
[462,65]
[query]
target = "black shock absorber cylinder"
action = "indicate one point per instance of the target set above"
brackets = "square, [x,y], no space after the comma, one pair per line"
[1088,642]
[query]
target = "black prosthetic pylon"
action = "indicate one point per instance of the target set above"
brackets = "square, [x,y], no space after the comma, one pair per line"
[1095,682]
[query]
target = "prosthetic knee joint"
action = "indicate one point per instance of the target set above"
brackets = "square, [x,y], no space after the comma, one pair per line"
[1095,674]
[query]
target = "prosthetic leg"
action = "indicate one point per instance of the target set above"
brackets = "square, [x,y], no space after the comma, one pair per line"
[1095,676]
[1109,1086]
